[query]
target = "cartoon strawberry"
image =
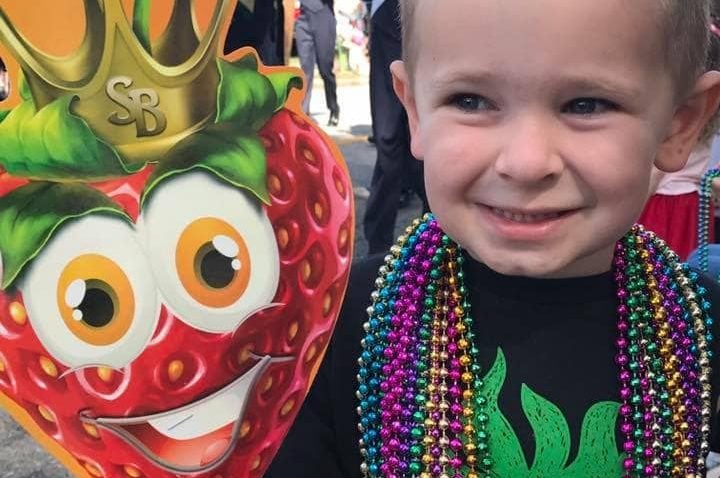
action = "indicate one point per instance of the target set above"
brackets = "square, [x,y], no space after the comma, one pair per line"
[164,305]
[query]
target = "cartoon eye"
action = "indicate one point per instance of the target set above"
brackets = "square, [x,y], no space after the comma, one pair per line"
[90,295]
[95,299]
[213,262]
[212,250]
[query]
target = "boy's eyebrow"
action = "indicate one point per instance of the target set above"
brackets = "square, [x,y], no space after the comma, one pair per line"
[583,82]
[449,77]
[607,85]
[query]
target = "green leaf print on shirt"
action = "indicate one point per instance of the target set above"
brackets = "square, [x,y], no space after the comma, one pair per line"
[597,457]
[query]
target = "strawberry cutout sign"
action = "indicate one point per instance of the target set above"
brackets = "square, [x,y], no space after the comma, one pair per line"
[175,239]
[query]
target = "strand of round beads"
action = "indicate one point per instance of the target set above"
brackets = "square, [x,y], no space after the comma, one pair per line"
[680,367]
[705,216]
[423,385]
[670,327]
[477,453]
[622,359]
[698,321]
[436,396]
[457,364]
[681,371]
[633,393]
[402,339]
[373,365]
[661,374]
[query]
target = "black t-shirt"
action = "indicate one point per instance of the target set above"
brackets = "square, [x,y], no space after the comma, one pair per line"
[555,340]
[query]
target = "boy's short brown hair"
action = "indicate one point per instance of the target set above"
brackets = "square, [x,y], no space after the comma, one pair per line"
[691,47]
[685,23]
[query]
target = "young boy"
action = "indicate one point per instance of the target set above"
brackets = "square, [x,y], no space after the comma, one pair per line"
[523,331]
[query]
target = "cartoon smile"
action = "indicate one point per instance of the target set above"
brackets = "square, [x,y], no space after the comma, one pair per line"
[193,438]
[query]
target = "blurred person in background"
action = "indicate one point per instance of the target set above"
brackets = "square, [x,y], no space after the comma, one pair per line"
[261,25]
[395,167]
[351,34]
[315,38]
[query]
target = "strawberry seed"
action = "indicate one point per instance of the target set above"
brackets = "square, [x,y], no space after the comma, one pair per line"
[18,313]
[293,330]
[46,413]
[175,370]
[287,407]
[105,374]
[244,429]
[49,367]
[91,430]
[93,470]
[132,472]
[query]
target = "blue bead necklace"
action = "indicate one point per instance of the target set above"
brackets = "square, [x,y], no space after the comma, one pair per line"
[705,215]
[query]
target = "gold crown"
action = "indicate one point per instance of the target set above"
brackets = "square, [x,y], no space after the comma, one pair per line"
[140,99]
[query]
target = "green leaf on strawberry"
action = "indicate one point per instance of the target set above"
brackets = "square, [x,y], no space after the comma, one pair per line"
[248,98]
[53,144]
[230,149]
[32,214]
[230,154]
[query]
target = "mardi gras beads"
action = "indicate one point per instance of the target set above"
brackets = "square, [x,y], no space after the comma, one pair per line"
[422,410]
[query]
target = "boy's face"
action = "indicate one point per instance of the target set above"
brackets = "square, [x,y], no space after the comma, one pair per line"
[538,122]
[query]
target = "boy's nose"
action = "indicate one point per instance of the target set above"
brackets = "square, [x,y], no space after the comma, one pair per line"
[528,154]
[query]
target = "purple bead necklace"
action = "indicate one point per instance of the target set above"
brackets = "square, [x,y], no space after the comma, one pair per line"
[421,405]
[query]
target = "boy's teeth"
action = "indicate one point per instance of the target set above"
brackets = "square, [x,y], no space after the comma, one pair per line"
[525,217]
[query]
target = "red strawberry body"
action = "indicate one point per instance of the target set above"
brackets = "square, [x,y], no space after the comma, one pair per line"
[311,212]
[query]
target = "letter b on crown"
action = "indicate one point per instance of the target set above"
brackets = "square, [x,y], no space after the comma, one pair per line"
[137,104]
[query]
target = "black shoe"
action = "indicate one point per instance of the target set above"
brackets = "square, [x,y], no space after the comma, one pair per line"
[334,119]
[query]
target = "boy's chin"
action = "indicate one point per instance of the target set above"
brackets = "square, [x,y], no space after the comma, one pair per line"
[524,269]
[545,266]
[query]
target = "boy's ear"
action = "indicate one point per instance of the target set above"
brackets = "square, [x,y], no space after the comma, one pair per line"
[404,91]
[689,122]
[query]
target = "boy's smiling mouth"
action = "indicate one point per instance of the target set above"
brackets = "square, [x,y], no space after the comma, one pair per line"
[529,217]
[525,217]
[526,225]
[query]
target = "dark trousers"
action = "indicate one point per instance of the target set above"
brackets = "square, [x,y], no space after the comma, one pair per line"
[261,29]
[395,167]
[315,37]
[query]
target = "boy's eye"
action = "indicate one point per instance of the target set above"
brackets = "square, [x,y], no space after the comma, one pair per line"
[588,106]
[469,102]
